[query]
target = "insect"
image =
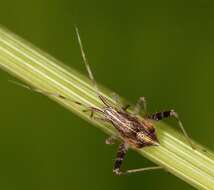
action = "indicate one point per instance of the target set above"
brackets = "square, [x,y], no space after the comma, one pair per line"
[133,131]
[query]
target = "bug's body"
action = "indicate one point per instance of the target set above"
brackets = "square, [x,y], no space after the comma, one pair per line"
[134,131]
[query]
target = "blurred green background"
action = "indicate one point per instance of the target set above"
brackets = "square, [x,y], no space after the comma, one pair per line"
[159,49]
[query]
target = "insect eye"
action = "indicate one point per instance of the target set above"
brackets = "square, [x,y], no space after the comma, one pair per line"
[152,130]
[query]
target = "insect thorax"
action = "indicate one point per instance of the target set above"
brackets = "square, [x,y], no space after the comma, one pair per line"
[133,131]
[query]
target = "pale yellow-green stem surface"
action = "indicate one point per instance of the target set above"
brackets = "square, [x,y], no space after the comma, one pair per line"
[42,71]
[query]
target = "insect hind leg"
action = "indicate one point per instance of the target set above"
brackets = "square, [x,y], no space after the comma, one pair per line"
[171,113]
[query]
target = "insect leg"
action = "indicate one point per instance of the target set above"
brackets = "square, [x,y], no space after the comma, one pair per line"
[117,99]
[141,103]
[119,102]
[142,169]
[119,159]
[171,113]
[110,140]
[118,162]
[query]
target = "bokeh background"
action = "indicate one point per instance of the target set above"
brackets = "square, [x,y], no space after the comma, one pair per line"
[163,50]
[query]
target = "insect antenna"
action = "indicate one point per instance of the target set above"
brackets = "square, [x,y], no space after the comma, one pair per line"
[90,74]
[47,93]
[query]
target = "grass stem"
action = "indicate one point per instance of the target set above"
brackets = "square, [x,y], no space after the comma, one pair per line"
[36,68]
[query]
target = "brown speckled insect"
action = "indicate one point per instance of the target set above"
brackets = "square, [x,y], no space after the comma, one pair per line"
[133,131]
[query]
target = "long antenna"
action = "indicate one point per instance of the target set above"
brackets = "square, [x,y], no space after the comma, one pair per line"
[46,93]
[90,74]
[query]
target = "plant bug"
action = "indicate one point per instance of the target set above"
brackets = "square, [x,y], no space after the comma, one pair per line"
[133,131]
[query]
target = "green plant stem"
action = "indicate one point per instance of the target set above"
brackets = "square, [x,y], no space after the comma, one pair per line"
[42,71]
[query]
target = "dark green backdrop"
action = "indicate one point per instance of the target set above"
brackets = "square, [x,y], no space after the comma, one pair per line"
[163,50]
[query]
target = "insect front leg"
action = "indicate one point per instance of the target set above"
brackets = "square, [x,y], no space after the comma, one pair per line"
[116,98]
[171,113]
[141,104]
[119,102]
[123,148]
